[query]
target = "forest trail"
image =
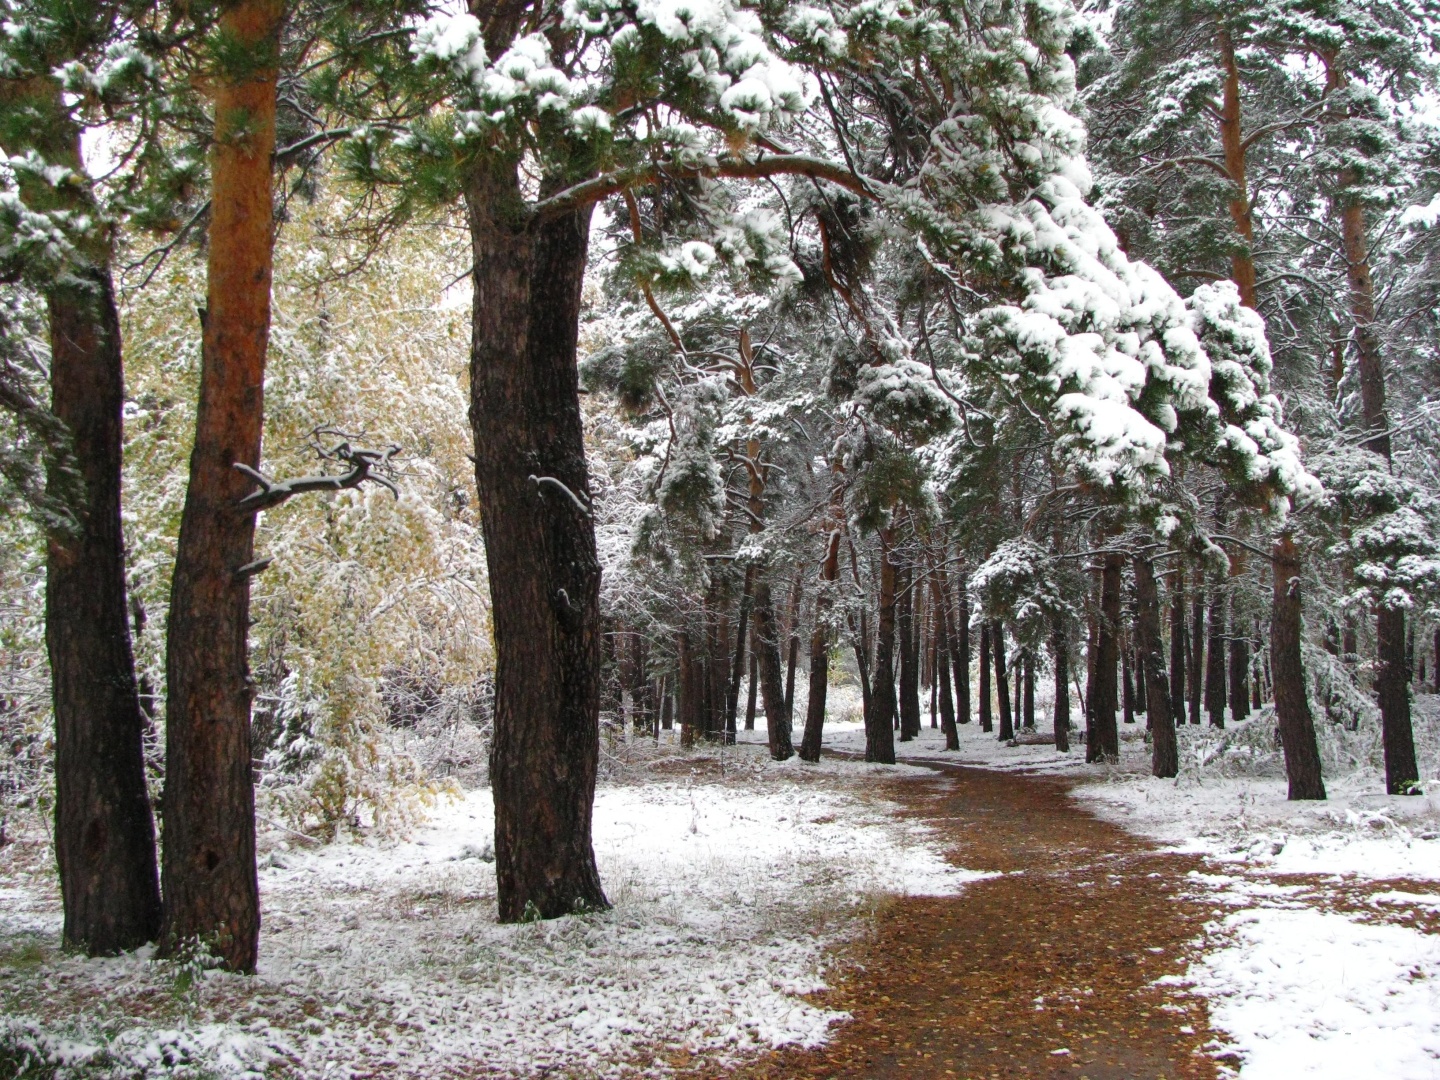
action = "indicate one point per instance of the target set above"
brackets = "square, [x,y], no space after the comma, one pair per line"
[1045,971]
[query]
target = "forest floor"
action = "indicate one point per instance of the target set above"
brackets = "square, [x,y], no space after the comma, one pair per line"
[1003,911]
[1056,967]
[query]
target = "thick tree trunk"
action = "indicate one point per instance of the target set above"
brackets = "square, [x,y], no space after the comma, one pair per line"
[104,831]
[1239,671]
[1215,660]
[1391,676]
[942,664]
[909,655]
[1107,663]
[1232,140]
[820,651]
[754,687]
[986,724]
[208,871]
[772,689]
[1028,721]
[737,669]
[1002,682]
[539,545]
[1178,650]
[1164,751]
[879,721]
[1292,707]
[1392,690]
[686,689]
[1140,684]
[959,632]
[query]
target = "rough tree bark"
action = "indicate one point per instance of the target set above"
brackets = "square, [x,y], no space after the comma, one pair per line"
[737,670]
[942,664]
[1028,704]
[1060,654]
[959,632]
[1002,682]
[1232,140]
[208,870]
[1164,751]
[1392,691]
[539,545]
[1292,707]
[986,724]
[909,654]
[1106,744]
[1239,669]
[879,720]
[772,687]
[104,830]
[820,651]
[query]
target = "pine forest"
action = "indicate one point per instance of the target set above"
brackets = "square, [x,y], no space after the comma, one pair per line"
[719,538]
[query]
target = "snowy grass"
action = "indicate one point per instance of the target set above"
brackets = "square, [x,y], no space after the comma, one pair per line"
[730,878]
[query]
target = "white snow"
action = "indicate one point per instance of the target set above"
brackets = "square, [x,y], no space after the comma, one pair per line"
[726,895]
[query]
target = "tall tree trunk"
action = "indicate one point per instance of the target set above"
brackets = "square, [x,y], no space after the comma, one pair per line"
[1195,663]
[879,732]
[1292,707]
[1242,264]
[754,687]
[737,669]
[942,665]
[208,870]
[1391,676]
[986,724]
[1164,751]
[104,831]
[820,651]
[1107,691]
[1092,668]
[959,631]
[1140,691]
[1002,682]
[1215,659]
[1177,644]
[792,648]
[667,704]
[909,655]
[1029,698]
[1239,667]
[772,689]
[1060,653]
[544,574]
[686,688]
[1127,683]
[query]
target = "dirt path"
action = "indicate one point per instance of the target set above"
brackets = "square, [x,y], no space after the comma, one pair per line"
[1058,954]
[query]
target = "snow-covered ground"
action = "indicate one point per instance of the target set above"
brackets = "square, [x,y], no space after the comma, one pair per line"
[1323,964]
[386,959]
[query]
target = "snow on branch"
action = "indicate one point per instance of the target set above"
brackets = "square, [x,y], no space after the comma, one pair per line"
[364,464]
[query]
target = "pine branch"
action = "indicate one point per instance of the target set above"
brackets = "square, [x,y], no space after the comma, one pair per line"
[364,465]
